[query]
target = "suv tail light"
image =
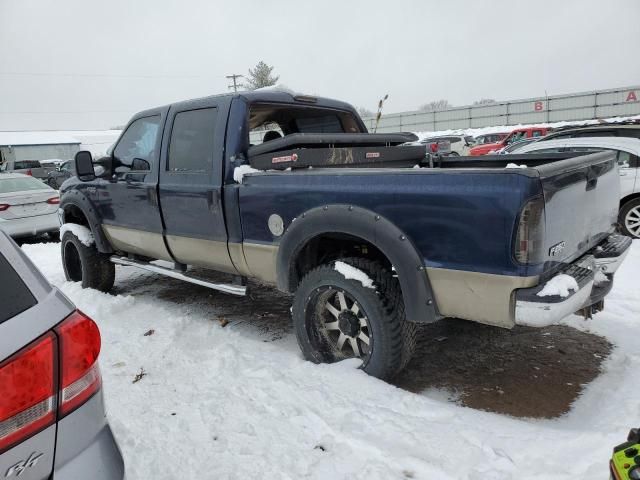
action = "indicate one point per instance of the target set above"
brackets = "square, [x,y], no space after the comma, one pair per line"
[28,391]
[57,370]
[529,241]
[29,172]
[79,372]
[53,201]
[434,147]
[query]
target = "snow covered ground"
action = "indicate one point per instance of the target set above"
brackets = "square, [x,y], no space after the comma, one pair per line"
[214,401]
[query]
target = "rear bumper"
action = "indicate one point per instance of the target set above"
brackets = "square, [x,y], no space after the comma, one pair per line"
[31,226]
[86,447]
[534,310]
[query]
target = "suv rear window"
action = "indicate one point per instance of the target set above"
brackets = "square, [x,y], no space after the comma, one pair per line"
[15,297]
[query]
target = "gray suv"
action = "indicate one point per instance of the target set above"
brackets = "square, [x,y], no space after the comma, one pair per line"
[52,418]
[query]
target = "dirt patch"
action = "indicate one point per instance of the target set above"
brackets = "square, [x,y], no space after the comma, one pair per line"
[524,372]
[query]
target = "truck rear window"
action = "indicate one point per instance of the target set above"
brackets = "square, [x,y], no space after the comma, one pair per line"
[24,164]
[15,297]
[270,121]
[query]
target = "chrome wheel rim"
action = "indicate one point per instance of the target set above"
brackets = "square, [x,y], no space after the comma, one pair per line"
[632,221]
[338,326]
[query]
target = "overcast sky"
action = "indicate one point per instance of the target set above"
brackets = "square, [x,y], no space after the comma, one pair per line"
[84,64]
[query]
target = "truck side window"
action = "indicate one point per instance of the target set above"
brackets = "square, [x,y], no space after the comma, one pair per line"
[135,150]
[191,147]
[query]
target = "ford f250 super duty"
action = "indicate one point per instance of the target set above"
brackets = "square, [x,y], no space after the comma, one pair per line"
[377,237]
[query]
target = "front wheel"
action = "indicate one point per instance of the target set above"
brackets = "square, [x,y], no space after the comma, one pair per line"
[337,318]
[629,219]
[86,264]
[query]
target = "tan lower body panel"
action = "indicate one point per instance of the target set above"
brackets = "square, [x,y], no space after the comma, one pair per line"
[480,297]
[140,242]
[261,261]
[201,253]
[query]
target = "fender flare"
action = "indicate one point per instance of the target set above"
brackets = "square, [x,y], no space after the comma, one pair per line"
[419,300]
[79,200]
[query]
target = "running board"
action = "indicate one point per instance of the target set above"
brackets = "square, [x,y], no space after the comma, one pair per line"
[239,290]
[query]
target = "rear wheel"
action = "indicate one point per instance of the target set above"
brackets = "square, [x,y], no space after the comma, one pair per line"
[629,218]
[86,264]
[338,318]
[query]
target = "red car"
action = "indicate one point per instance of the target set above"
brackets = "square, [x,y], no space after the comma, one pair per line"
[515,136]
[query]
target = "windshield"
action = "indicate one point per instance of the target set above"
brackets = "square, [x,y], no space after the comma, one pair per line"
[21,184]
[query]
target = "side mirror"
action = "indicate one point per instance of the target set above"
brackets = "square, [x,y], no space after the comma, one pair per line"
[84,166]
[140,164]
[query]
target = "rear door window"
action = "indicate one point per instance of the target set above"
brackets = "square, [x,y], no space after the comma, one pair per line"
[15,297]
[191,147]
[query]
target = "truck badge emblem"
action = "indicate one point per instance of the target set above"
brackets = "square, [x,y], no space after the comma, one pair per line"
[557,249]
[19,468]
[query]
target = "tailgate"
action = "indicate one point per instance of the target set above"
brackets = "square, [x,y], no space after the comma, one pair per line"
[581,196]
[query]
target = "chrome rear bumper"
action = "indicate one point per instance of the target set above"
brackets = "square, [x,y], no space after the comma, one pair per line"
[534,310]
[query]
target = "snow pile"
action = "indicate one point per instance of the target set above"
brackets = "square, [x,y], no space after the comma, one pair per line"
[559,285]
[253,409]
[80,231]
[352,273]
[600,278]
[241,171]
[515,165]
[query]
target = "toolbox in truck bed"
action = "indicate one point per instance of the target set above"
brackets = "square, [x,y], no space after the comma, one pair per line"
[337,150]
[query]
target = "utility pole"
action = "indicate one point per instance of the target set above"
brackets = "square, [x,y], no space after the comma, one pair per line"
[235,85]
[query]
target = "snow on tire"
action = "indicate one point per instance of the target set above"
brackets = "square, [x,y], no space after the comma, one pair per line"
[338,317]
[84,263]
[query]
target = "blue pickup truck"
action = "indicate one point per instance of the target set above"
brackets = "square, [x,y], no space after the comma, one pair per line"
[369,250]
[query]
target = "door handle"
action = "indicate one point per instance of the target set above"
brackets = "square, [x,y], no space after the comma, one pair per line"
[213,200]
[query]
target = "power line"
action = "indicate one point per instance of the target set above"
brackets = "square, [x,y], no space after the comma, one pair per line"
[96,75]
[235,85]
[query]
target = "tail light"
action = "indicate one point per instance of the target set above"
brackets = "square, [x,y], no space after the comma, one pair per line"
[4,206]
[54,201]
[29,172]
[28,391]
[79,349]
[529,241]
[434,147]
[57,371]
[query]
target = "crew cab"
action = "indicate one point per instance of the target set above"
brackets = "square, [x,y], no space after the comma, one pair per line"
[515,136]
[376,238]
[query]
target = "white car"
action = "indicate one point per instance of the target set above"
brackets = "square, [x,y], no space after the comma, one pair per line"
[460,144]
[28,207]
[628,162]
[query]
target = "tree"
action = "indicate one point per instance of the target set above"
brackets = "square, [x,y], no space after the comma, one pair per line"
[435,105]
[485,101]
[365,112]
[260,76]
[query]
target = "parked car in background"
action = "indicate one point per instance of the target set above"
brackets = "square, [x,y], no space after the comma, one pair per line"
[628,155]
[602,130]
[491,138]
[57,177]
[517,145]
[460,144]
[515,136]
[52,416]
[33,168]
[27,206]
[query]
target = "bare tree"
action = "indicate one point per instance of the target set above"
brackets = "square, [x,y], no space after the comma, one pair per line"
[365,112]
[485,101]
[260,76]
[435,105]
